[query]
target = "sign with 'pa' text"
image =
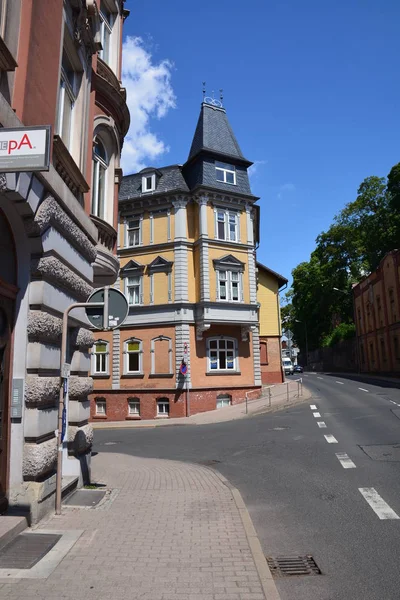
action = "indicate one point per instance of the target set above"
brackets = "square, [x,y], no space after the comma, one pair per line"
[24,149]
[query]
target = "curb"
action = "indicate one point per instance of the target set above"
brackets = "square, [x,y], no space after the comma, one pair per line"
[267,582]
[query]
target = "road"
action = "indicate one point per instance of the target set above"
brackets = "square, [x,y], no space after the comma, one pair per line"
[321,478]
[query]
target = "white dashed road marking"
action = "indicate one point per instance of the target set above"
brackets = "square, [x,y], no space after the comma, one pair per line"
[340,382]
[321,424]
[319,377]
[363,390]
[345,461]
[313,407]
[377,504]
[316,415]
[330,439]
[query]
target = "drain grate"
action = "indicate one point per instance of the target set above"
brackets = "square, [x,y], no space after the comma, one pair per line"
[24,551]
[289,566]
[85,498]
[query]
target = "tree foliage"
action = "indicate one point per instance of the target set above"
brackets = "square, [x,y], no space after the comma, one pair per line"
[353,246]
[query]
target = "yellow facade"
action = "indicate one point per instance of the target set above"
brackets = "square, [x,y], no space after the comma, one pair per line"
[268,298]
[216,252]
[160,295]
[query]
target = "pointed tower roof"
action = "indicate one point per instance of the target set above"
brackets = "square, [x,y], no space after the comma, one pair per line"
[215,135]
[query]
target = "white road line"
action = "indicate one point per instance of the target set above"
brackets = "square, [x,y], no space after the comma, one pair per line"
[321,424]
[313,407]
[377,504]
[340,382]
[305,375]
[316,415]
[330,439]
[345,461]
[319,377]
[363,390]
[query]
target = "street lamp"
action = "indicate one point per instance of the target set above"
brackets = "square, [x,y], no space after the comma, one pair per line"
[305,330]
[355,325]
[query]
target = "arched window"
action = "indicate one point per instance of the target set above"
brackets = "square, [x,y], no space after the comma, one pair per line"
[161,356]
[133,356]
[100,166]
[100,358]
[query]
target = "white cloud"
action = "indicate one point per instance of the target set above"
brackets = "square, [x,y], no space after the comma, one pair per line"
[253,170]
[286,188]
[149,95]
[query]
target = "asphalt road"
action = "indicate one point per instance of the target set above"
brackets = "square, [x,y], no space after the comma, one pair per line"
[304,499]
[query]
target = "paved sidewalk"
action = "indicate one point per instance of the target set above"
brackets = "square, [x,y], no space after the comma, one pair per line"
[274,398]
[168,531]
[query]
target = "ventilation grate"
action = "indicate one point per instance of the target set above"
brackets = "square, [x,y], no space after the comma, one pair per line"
[289,566]
[25,550]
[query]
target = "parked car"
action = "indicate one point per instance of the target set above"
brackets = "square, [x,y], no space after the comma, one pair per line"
[298,369]
[287,366]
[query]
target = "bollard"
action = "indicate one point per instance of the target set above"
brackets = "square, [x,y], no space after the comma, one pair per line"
[269,396]
[247,410]
[301,385]
[298,388]
[288,391]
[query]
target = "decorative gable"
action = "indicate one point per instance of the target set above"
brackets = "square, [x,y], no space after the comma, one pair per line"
[160,264]
[228,263]
[131,268]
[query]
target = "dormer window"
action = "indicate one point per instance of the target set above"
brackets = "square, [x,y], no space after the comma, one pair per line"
[225,173]
[148,183]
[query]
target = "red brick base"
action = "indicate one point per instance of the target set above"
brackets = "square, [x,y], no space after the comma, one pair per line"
[201,400]
[271,377]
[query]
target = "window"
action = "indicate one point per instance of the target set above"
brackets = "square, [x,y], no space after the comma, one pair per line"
[263,353]
[100,166]
[227,225]
[100,358]
[225,173]
[362,354]
[372,353]
[392,306]
[229,286]
[133,230]
[66,100]
[100,406]
[379,310]
[148,183]
[383,350]
[106,21]
[163,407]
[224,400]
[134,407]
[133,289]
[222,354]
[396,348]
[133,350]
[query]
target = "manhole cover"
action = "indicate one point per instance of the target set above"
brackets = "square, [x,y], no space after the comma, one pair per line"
[85,498]
[24,551]
[289,566]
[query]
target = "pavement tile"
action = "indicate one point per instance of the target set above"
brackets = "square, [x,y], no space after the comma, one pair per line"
[171,532]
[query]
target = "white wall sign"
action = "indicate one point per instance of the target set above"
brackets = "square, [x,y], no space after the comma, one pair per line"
[24,149]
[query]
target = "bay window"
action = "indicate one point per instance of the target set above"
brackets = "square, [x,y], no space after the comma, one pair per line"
[229,286]
[227,225]
[100,166]
[222,354]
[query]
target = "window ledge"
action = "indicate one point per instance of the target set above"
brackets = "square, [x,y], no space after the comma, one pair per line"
[162,417]
[132,376]
[160,375]
[214,373]
[67,168]
[99,416]
[7,61]
[100,375]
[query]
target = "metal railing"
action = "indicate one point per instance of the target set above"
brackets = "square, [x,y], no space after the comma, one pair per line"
[285,387]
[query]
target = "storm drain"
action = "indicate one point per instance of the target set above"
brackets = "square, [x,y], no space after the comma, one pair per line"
[289,566]
[87,498]
[25,550]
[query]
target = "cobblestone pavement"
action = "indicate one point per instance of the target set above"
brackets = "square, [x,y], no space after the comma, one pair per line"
[169,531]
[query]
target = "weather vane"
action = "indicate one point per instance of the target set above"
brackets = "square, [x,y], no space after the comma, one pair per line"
[210,99]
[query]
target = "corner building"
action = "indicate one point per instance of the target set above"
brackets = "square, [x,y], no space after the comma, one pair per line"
[187,240]
[60,66]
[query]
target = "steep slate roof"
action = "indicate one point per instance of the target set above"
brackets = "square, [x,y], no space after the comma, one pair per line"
[170,179]
[214,134]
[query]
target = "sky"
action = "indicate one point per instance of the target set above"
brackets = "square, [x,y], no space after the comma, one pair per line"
[311,89]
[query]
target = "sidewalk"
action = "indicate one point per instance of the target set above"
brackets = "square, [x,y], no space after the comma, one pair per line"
[165,531]
[274,398]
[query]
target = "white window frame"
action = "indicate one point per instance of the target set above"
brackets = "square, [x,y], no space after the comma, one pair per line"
[220,342]
[222,398]
[163,402]
[106,27]
[139,353]
[145,178]
[99,203]
[136,402]
[66,89]
[223,171]
[106,355]
[103,403]
[228,215]
[138,229]
[139,285]
[229,281]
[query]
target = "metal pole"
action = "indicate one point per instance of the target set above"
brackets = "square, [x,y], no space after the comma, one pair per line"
[298,388]
[301,385]
[105,311]
[269,395]
[63,354]
[247,410]
[287,389]
[187,398]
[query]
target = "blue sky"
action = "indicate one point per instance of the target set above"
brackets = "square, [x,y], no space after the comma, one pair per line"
[312,91]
